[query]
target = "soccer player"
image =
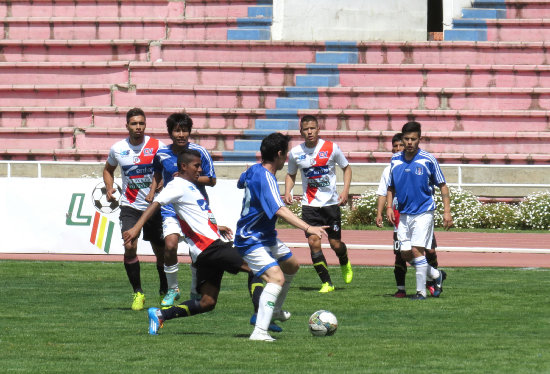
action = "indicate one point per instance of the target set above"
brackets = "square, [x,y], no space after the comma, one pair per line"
[400,265]
[179,126]
[211,256]
[413,176]
[135,157]
[316,159]
[256,237]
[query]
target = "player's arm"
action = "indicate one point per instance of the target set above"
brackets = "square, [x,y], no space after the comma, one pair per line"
[109,180]
[290,181]
[389,208]
[132,234]
[295,221]
[446,197]
[380,204]
[343,199]
[207,181]
[155,185]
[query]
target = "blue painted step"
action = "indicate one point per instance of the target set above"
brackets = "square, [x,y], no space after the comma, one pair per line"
[248,34]
[260,11]
[495,4]
[248,145]
[239,156]
[474,35]
[337,57]
[277,124]
[482,13]
[297,103]
[254,23]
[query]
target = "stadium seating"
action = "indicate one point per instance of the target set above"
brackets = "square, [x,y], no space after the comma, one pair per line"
[70,69]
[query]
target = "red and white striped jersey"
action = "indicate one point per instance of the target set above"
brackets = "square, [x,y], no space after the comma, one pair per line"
[195,217]
[136,164]
[317,166]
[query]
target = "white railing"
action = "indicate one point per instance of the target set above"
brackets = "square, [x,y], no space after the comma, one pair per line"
[461,170]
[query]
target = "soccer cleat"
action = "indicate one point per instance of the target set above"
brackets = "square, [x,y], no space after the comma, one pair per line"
[281,315]
[155,322]
[139,301]
[418,296]
[272,326]
[438,288]
[172,295]
[326,288]
[261,336]
[400,294]
[161,296]
[347,272]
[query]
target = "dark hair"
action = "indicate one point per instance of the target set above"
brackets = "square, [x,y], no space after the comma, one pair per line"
[412,127]
[186,156]
[272,144]
[308,118]
[398,137]
[176,120]
[134,112]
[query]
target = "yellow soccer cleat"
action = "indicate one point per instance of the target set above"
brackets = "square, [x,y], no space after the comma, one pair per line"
[326,288]
[347,272]
[139,301]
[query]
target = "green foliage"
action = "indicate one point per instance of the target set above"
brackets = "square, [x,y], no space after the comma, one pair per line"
[468,212]
[74,317]
[534,211]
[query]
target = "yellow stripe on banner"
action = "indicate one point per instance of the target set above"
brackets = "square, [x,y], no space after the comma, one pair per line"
[101,235]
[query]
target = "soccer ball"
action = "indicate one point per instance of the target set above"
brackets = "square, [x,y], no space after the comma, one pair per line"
[323,323]
[99,198]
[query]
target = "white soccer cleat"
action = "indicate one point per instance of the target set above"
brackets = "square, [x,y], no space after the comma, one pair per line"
[260,335]
[281,315]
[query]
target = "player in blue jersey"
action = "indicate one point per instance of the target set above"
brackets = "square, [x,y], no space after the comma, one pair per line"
[414,174]
[256,237]
[179,126]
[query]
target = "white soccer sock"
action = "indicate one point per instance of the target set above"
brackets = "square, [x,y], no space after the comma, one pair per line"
[267,302]
[421,267]
[432,273]
[172,275]
[284,291]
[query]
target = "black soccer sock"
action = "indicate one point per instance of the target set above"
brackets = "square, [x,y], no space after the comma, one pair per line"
[186,309]
[255,288]
[343,256]
[431,257]
[320,266]
[400,270]
[163,288]
[133,271]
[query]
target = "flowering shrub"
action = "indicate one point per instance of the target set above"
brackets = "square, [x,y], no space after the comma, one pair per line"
[499,216]
[464,209]
[534,211]
[363,210]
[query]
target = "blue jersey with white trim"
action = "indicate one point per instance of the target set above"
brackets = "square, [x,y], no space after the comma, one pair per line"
[256,227]
[414,181]
[166,162]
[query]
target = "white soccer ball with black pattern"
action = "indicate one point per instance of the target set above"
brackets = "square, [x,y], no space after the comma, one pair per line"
[323,323]
[99,199]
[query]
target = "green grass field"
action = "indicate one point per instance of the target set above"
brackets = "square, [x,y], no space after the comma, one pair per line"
[69,317]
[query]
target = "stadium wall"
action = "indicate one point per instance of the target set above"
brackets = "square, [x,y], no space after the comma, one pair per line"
[390,20]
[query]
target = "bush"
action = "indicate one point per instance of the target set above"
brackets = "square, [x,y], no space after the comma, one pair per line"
[534,211]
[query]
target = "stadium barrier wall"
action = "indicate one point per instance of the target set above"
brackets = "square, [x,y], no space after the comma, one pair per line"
[57,215]
[349,20]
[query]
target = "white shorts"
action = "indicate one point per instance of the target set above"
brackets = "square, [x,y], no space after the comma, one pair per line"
[171,225]
[262,258]
[416,230]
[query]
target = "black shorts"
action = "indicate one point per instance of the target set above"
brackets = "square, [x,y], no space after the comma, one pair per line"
[152,230]
[220,256]
[397,246]
[324,216]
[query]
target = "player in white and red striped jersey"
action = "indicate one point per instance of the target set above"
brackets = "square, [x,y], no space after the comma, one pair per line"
[317,159]
[135,156]
[211,255]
